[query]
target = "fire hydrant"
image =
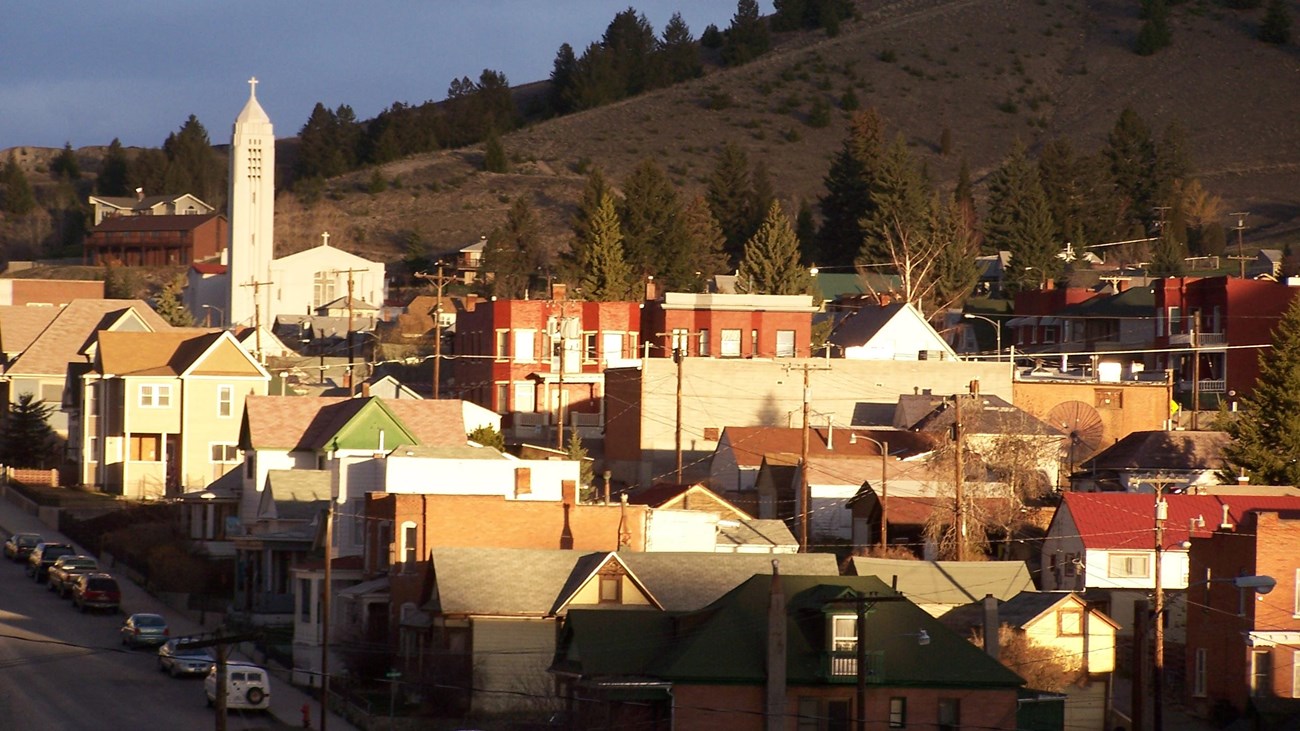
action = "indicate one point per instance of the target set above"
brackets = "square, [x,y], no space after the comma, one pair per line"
[306,715]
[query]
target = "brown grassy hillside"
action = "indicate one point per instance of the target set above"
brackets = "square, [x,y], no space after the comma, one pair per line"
[990,71]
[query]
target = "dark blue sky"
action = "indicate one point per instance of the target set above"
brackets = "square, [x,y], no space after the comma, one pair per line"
[136,69]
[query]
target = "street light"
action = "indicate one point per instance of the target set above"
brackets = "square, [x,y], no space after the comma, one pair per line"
[221,314]
[884,484]
[997,329]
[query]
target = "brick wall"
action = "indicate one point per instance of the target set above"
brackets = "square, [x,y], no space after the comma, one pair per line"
[37,478]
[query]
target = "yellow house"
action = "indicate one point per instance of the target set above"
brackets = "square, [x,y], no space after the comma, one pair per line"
[1081,638]
[162,410]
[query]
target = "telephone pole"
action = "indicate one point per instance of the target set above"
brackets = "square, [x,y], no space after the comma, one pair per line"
[257,315]
[959,476]
[679,358]
[439,281]
[1158,674]
[352,386]
[1241,226]
[804,497]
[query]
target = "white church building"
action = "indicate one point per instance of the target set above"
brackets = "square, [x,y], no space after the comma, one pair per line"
[253,287]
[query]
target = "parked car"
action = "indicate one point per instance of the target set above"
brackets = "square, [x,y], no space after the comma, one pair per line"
[176,657]
[247,686]
[96,591]
[43,556]
[20,545]
[144,629]
[66,568]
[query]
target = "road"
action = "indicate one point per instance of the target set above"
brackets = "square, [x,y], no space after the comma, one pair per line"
[60,669]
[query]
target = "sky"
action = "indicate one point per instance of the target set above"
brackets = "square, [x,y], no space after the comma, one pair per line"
[86,73]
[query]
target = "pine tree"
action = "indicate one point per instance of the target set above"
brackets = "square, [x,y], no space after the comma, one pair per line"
[605,274]
[679,55]
[112,171]
[167,303]
[1276,26]
[563,77]
[1131,152]
[955,272]
[26,438]
[488,437]
[1019,222]
[729,195]
[1154,34]
[18,197]
[900,202]
[1266,433]
[631,41]
[192,164]
[747,37]
[511,256]
[652,235]
[595,189]
[771,261]
[576,452]
[1167,255]
[1079,194]
[320,146]
[847,202]
[705,241]
[65,165]
[494,154]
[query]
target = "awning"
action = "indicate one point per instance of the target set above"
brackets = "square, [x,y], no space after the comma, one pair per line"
[374,586]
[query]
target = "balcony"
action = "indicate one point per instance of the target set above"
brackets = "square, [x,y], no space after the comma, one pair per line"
[841,666]
[1204,340]
[1216,385]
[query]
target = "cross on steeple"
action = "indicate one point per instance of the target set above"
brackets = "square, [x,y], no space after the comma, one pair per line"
[325,238]
[252,86]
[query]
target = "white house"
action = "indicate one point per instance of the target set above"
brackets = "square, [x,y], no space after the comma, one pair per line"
[895,331]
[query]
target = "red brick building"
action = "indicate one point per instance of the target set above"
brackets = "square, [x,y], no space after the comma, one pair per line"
[516,357]
[1243,647]
[156,240]
[728,325]
[1212,319]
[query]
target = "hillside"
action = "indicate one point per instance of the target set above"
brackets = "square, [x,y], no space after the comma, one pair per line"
[990,71]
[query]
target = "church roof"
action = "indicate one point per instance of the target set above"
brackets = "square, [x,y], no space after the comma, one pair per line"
[252,111]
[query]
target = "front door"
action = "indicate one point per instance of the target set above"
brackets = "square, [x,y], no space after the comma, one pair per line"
[173,468]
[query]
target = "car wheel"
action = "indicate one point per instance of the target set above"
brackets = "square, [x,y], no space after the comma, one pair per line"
[255,695]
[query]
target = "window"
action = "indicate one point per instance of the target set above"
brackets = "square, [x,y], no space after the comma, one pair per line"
[1175,320]
[785,343]
[225,453]
[1109,398]
[612,345]
[1069,566]
[525,346]
[1129,565]
[304,600]
[1261,673]
[1198,673]
[844,633]
[1069,623]
[225,401]
[680,341]
[409,537]
[322,289]
[753,343]
[611,588]
[52,393]
[525,394]
[155,395]
[589,347]
[949,714]
[898,713]
[704,343]
[502,397]
[503,344]
[1295,674]
[250,465]
[730,344]
[1049,334]
[146,447]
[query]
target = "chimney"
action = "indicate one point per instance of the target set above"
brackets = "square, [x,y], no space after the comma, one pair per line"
[975,388]
[559,291]
[991,625]
[651,291]
[776,654]
[1225,524]
[568,492]
[884,298]
[139,194]
[365,390]
[1243,479]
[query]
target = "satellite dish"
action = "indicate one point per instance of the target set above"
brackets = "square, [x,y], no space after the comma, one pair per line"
[1082,425]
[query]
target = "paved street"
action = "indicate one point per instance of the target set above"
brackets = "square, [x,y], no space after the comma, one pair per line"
[60,669]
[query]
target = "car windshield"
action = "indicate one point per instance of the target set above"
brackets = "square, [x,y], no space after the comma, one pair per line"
[101,585]
[187,651]
[28,540]
[56,551]
[80,563]
[149,620]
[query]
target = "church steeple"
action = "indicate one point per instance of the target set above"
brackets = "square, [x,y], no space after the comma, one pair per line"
[252,213]
[253,111]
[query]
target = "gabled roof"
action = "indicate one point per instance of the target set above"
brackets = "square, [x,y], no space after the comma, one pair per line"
[294,494]
[864,324]
[946,582]
[1133,302]
[175,352]
[20,325]
[177,222]
[769,533]
[358,305]
[673,496]
[132,203]
[66,339]
[306,423]
[1122,520]
[749,444]
[1163,450]
[985,414]
[726,642]
[1019,611]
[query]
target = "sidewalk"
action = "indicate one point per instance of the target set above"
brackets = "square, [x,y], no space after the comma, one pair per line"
[286,699]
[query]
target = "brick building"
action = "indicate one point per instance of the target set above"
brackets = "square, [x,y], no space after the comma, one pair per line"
[156,240]
[728,325]
[516,357]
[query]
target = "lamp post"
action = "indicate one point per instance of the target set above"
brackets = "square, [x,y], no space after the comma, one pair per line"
[884,484]
[997,329]
[221,314]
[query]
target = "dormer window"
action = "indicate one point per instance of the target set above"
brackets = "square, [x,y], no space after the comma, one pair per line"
[611,585]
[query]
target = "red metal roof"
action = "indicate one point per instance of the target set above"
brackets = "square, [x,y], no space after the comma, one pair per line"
[1116,520]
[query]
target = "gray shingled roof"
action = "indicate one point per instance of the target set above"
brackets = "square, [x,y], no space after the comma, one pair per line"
[755,532]
[296,494]
[1163,450]
[947,582]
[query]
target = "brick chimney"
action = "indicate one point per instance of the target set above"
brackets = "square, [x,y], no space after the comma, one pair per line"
[568,492]
[991,625]
[776,654]
[559,291]
[651,289]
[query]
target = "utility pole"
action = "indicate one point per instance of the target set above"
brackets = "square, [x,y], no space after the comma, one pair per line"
[959,476]
[352,386]
[1158,674]
[257,315]
[804,497]
[1196,370]
[884,495]
[439,281]
[679,357]
[325,607]
[1241,226]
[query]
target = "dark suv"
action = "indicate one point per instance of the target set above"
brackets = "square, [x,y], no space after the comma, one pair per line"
[44,556]
[96,591]
[65,570]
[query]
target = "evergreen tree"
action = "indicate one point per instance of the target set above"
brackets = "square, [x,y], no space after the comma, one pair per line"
[1019,221]
[511,256]
[706,243]
[805,227]
[147,171]
[761,194]
[1266,433]
[113,171]
[1131,152]
[576,452]
[26,438]
[1154,34]
[1276,26]
[1168,254]
[730,197]
[631,42]
[650,213]
[900,202]
[563,77]
[847,203]
[605,274]
[955,273]
[494,154]
[596,79]
[595,189]
[488,437]
[679,55]
[167,303]
[771,263]
[192,164]
[747,37]
[18,197]
[320,146]
[65,165]
[1079,194]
